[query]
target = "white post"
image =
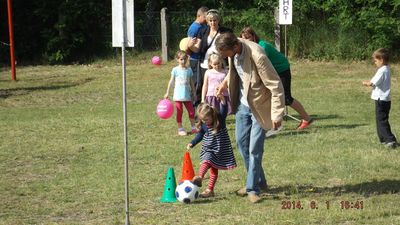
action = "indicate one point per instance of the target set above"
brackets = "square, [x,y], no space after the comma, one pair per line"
[277,30]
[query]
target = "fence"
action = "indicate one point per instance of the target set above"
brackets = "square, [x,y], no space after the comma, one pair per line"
[311,37]
[148,26]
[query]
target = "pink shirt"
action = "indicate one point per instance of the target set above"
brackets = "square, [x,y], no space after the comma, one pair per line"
[214,79]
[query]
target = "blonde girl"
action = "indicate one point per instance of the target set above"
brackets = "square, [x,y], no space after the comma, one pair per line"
[213,77]
[216,151]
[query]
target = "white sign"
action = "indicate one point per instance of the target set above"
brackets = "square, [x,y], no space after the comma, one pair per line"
[285,12]
[118,23]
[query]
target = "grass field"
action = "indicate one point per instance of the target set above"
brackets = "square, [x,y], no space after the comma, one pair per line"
[61,151]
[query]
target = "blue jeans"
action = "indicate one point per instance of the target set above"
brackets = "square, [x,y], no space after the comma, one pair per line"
[250,141]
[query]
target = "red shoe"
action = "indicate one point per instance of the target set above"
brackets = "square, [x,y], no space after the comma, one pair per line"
[304,124]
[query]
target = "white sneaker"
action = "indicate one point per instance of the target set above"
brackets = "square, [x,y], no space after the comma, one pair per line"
[273,132]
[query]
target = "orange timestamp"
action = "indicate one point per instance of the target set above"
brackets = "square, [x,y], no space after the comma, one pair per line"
[314,205]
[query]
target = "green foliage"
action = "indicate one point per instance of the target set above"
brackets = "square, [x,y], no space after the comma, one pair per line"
[65,31]
[261,20]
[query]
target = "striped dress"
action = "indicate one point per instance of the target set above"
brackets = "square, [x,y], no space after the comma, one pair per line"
[216,148]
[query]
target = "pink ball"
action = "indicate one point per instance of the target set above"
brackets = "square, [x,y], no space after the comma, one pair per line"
[156,60]
[165,109]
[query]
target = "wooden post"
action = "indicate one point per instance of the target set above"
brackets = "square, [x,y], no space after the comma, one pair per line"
[164,34]
[277,30]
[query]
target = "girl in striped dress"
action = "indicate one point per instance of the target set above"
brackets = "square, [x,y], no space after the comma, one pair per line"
[216,151]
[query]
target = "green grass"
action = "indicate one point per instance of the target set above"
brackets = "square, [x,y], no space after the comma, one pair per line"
[61,150]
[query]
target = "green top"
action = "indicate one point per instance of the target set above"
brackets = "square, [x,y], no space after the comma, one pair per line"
[278,60]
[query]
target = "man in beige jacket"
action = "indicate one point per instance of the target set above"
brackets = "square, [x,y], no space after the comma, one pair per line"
[257,98]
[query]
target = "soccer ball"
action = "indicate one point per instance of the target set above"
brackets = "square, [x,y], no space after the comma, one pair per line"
[186,192]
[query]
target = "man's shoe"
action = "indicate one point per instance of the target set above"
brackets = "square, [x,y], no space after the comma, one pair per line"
[242,192]
[253,198]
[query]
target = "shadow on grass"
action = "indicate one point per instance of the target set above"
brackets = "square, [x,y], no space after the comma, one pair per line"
[209,200]
[366,189]
[344,126]
[303,132]
[6,93]
[314,116]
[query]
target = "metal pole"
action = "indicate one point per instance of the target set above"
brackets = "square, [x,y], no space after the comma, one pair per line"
[125,111]
[11,34]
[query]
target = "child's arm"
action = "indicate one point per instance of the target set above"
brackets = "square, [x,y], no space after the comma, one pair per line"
[367,83]
[170,83]
[199,136]
[205,87]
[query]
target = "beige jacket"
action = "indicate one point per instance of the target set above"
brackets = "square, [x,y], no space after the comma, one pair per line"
[261,84]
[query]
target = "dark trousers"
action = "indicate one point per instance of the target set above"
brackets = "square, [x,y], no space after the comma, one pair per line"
[197,79]
[382,109]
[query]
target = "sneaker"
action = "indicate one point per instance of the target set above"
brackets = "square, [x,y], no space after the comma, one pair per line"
[182,132]
[207,194]
[273,132]
[253,198]
[391,144]
[197,180]
[304,124]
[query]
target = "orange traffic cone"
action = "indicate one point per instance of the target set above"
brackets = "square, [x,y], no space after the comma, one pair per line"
[187,168]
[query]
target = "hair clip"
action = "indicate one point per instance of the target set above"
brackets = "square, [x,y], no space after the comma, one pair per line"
[212,11]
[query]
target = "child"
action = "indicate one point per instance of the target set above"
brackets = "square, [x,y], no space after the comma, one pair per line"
[212,79]
[216,151]
[181,77]
[381,94]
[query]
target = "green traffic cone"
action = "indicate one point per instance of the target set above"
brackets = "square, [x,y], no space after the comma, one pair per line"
[170,186]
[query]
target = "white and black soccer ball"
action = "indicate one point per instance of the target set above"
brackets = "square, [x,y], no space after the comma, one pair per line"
[186,192]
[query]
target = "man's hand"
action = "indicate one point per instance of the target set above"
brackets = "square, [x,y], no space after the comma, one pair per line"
[221,88]
[276,124]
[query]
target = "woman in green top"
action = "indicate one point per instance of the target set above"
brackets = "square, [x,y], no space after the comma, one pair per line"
[282,67]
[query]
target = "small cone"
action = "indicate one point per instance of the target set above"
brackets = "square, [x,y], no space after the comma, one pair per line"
[170,186]
[187,168]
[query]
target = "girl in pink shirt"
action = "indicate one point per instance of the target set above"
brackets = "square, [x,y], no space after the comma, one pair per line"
[212,79]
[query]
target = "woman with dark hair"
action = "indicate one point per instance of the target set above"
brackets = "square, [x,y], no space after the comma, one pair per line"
[282,67]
